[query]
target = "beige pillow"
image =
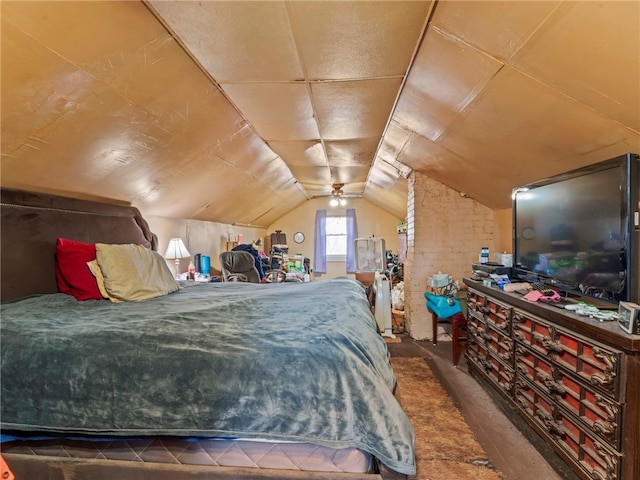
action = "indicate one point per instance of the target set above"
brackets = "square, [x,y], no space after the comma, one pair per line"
[133,272]
[95,270]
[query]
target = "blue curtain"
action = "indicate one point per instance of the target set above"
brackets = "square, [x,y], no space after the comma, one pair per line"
[352,234]
[320,247]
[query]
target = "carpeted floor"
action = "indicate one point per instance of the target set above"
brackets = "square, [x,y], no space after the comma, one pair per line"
[446,448]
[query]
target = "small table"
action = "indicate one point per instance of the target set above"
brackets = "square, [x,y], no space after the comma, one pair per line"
[458,331]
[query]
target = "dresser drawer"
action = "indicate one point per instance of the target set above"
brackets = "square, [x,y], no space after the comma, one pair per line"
[597,412]
[495,370]
[495,340]
[475,300]
[586,450]
[496,313]
[595,364]
[498,343]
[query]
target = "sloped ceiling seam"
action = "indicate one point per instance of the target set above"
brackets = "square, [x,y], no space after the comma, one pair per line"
[429,16]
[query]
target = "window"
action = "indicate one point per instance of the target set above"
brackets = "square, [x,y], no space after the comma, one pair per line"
[336,238]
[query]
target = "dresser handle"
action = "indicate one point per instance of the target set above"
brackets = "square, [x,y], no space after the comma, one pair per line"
[598,474]
[520,350]
[504,326]
[486,364]
[552,426]
[552,385]
[548,343]
[604,428]
[610,460]
[602,380]
[509,386]
[611,408]
[506,355]
[610,361]
[522,402]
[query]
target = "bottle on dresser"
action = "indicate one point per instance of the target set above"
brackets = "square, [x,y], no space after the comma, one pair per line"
[484,255]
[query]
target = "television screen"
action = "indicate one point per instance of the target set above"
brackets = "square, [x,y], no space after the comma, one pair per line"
[572,231]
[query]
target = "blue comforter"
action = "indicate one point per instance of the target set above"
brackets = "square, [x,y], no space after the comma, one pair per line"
[288,362]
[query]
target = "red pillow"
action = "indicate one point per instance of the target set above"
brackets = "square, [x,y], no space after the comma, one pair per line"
[72,272]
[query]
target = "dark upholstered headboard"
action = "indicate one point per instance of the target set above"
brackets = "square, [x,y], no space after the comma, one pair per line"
[31,223]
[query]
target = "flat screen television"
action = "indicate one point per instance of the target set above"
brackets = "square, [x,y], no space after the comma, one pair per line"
[579,232]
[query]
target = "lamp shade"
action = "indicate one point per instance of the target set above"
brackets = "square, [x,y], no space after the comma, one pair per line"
[176,249]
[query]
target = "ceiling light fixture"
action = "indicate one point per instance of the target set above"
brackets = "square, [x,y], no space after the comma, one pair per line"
[336,195]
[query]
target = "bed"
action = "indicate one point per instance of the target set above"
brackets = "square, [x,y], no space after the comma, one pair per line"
[213,380]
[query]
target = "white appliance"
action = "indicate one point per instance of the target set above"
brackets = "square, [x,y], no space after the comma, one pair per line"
[382,310]
[371,256]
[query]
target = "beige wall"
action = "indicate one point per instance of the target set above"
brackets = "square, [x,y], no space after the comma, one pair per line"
[371,221]
[502,231]
[207,238]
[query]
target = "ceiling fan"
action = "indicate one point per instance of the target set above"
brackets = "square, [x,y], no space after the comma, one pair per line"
[336,195]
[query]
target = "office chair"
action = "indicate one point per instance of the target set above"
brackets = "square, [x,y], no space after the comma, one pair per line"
[238,266]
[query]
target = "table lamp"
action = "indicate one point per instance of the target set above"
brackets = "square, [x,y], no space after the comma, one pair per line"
[175,251]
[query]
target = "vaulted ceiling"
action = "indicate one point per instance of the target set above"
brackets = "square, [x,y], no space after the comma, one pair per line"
[238,112]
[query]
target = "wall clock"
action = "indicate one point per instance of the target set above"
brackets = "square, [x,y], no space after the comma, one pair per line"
[528,233]
[298,237]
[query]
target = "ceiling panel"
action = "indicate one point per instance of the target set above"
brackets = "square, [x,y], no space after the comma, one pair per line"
[435,161]
[445,77]
[83,145]
[590,52]
[238,40]
[38,88]
[350,174]
[300,153]
[278,111]
[346,153]
[384,175]
[245,150]
[316,180]
[498,28]
[354,109]
[390,199]
[531,145]
[351,40]
[71,29]
[394,140]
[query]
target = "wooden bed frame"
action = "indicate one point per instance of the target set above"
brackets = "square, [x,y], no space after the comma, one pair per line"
[31,223]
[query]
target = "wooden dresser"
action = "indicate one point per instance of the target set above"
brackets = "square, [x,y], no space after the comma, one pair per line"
[575,380]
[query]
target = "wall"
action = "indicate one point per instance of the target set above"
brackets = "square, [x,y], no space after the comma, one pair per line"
[445,233]
[503,226]
[207,238]
[371,220]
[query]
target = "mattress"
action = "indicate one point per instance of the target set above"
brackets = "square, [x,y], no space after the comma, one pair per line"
[210,452]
